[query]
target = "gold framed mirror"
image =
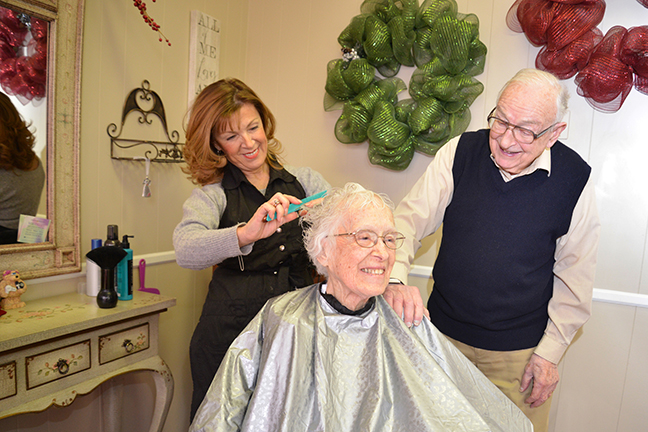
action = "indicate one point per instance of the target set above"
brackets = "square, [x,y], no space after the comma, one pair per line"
[61,253]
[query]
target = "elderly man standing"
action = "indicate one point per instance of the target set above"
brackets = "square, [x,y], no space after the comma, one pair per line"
[514,274]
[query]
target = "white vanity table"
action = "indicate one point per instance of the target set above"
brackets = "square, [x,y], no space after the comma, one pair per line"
[59,347]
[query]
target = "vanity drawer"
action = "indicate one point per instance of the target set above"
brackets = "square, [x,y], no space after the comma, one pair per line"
[123,343]
[8,386]
[56,364]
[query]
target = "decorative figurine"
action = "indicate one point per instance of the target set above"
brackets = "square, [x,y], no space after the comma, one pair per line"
[11,288]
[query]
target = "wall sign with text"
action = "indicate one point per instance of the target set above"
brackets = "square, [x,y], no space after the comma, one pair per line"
[204,52]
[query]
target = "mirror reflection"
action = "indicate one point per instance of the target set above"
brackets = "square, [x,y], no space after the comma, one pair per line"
[23,119]
[60,252]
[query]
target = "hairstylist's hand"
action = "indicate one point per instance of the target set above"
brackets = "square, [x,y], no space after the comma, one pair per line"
[258,227]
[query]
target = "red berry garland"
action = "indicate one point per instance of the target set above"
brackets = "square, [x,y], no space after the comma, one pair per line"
[139,4]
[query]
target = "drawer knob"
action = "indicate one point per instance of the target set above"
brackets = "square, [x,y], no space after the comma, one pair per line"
[128,345]
[62,366]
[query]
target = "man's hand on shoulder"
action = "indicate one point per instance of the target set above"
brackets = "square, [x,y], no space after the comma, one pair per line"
[407,303]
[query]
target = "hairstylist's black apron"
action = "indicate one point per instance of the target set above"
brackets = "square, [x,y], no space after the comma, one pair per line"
[241,285]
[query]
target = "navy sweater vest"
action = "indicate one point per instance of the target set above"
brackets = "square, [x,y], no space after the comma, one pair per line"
[493,277]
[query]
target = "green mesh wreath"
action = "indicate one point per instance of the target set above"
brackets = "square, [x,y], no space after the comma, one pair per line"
[444,47]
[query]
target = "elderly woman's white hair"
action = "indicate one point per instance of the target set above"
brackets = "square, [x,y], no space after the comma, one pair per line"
[321,221]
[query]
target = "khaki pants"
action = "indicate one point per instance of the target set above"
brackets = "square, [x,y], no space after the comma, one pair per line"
[505,370]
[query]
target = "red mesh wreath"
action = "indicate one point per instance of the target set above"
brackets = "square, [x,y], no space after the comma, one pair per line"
[605,67]
[634,52]
[606,81]
[22,64]
[567,61]
[555,23]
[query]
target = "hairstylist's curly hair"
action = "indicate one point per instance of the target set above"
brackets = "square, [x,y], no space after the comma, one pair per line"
[209,116]
[16,140]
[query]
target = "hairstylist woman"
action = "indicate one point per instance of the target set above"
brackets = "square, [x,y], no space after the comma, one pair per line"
[232,153]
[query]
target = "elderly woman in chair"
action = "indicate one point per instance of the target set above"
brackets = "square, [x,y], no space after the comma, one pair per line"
[335,356]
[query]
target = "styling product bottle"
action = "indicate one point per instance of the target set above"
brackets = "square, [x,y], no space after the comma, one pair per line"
[125,272]
[93,272]
[112,239]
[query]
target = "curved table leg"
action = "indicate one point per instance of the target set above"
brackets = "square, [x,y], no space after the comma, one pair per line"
[163,394]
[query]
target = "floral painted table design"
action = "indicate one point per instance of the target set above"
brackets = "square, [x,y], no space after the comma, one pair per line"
[56,348]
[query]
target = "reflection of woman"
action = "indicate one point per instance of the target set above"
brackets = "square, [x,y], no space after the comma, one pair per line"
[21,174]
[335,356]
[232,153]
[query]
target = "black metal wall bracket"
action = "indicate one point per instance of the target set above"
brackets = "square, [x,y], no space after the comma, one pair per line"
[169,151]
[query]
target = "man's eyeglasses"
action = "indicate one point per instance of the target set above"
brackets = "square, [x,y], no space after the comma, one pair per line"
[521,134]
[369,239]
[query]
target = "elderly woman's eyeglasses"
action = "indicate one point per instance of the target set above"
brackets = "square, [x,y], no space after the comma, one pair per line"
[521,134]
[369,239]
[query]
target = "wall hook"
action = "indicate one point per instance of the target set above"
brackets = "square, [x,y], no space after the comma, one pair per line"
[169,151]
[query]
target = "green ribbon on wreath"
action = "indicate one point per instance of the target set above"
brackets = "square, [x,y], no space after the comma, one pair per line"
[444,47]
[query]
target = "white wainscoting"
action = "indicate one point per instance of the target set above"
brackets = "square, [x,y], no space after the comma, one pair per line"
[601,295]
